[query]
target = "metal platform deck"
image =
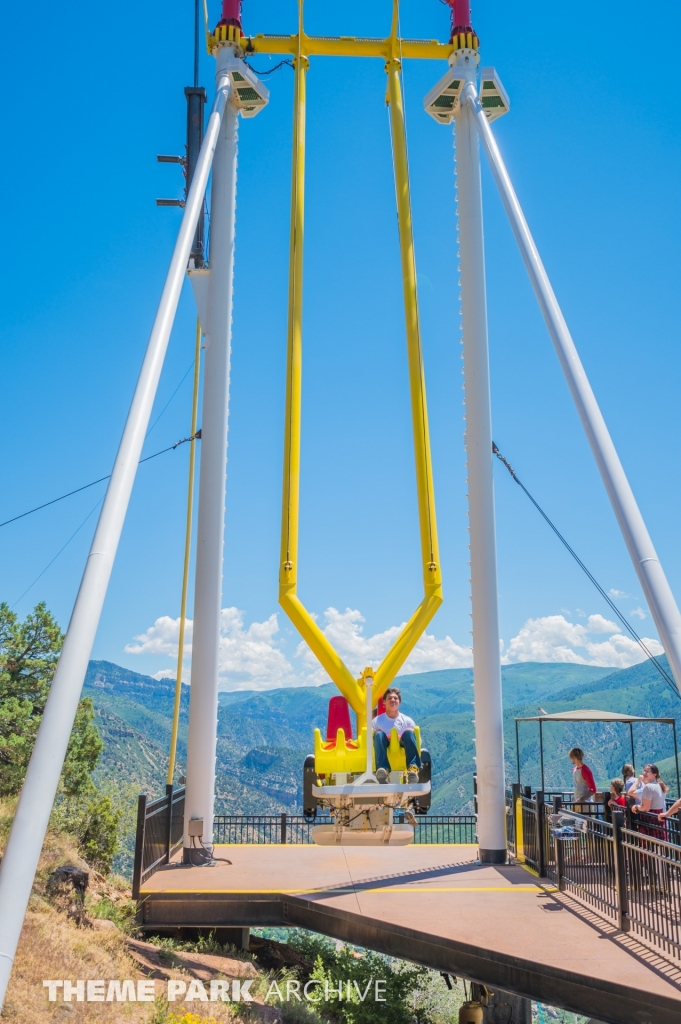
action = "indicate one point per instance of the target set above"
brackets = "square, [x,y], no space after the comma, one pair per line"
[434,905]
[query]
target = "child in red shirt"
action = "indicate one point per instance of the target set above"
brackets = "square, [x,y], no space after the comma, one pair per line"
[617,797]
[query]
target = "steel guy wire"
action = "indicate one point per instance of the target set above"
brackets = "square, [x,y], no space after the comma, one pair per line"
[630,629]
[59,552]
[85,487]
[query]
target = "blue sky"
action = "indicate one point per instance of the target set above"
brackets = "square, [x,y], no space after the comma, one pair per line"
[593,145]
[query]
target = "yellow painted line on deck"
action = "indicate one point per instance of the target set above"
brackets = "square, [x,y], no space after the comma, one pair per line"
[314,846]
[459,888]
[344,889]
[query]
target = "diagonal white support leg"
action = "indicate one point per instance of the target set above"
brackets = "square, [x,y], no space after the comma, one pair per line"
[650,573]
[39,789]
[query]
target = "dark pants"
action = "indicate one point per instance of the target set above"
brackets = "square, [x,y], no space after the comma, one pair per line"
[407,740]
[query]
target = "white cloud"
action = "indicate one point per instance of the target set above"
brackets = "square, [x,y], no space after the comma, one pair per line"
[618,593]
[553,639]
[251,657]
[248,659]
[597,624]
[639,613]
[162,638]
[346,632]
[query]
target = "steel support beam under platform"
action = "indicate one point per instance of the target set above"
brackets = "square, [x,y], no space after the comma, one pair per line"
[436,906]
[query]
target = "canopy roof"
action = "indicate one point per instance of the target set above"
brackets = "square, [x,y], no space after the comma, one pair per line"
[592,716]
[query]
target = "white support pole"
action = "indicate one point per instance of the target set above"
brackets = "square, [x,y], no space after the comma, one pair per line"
[42,778]
[650,573]
[203,700]
[489,735]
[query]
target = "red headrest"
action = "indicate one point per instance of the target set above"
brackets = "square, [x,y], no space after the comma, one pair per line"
[338,718]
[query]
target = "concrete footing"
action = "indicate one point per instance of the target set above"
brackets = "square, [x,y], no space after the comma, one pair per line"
[506,1008]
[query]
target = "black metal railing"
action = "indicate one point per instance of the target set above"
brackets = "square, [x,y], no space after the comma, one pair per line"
[160,826]
[627,868]
[653,871]
[669,829]
[440,829]
[530,831]
[257,829]
[584,862]
[511,798]
[159,833]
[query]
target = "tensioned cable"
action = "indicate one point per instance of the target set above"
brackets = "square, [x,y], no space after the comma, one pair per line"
[85,487]
[630,629]
[51,562]
[184,377]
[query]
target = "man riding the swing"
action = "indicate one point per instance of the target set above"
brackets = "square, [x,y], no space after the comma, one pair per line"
[383,725]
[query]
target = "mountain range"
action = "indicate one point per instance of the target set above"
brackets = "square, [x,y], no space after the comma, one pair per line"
[263,736]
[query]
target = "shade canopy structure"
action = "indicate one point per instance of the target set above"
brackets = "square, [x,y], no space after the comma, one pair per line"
[591,716]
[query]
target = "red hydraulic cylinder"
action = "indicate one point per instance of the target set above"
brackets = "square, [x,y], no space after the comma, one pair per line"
[231,12]
[461,16]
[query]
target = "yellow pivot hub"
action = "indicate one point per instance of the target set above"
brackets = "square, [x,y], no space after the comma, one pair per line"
[329,658]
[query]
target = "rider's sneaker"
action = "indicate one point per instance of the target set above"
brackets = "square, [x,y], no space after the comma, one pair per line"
[382,776]
[413,775]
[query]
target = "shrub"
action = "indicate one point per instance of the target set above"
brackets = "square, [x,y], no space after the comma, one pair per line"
[357,973]
[93,823]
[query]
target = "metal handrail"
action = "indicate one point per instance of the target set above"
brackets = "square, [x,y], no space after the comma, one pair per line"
[160,826]
[628,869]
[258,829]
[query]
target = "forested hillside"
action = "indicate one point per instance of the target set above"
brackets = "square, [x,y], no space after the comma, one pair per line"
[263,737]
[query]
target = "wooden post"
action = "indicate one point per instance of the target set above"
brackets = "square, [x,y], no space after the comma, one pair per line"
[139,845]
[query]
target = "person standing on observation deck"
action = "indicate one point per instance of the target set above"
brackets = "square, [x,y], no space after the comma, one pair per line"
[582,776]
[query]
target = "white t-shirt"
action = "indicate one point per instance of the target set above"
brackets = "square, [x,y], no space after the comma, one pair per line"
[383,723]
[653,791]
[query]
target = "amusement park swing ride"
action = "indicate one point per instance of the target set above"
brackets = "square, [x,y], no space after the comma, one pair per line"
[339,775]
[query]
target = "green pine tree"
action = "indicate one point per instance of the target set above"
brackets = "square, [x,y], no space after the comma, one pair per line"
[29,652]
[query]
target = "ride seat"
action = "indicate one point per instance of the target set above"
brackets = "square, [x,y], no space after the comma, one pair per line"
[396,755]
[338,718]
[339,752]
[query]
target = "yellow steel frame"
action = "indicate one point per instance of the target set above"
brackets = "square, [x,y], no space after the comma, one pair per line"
[187,551]
[352,46]
[349,46]
[392,49]
[302,45]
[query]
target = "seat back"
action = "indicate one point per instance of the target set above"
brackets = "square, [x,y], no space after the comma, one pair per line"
[338,718]
[396,755]
[380,707]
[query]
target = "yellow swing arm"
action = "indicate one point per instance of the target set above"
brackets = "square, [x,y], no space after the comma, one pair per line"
[329,658]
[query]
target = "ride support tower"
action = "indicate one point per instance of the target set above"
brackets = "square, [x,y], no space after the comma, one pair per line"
[213,289]
[489,734]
